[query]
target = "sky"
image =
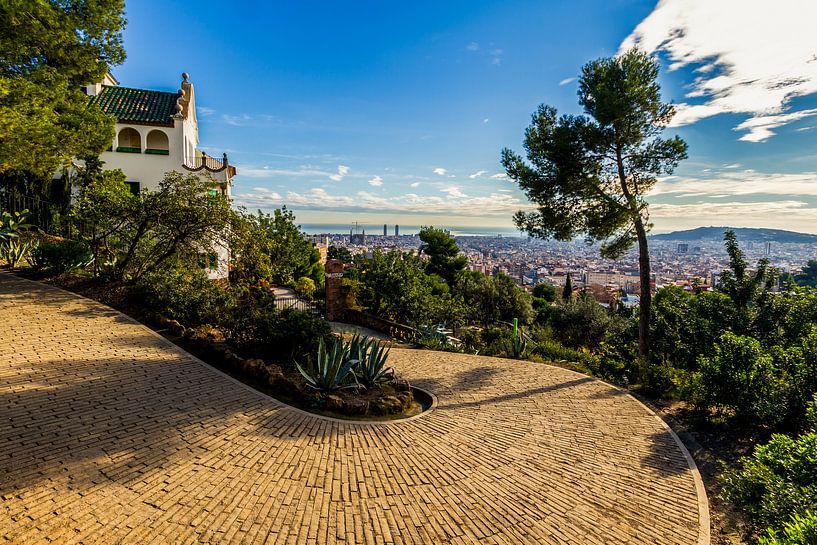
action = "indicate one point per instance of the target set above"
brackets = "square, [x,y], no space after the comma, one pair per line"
[396,112]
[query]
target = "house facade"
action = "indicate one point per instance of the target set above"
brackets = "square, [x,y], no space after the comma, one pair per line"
[157,132]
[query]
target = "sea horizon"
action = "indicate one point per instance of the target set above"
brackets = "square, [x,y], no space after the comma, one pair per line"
[377,229]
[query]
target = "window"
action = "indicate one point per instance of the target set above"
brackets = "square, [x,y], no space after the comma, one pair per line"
[134,187]
[129,141]
[157,143]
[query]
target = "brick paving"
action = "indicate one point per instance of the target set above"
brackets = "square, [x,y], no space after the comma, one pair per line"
[109,434]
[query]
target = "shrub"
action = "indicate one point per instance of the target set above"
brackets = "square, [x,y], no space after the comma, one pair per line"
[778,481]
[741,378]
[496,340]
[582,322]
[799,530]
[305,286]
[62,257]
[261,331]
[185,294]
[655,379]
[331,370]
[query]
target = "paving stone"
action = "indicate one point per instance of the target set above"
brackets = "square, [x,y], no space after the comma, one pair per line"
[112,435]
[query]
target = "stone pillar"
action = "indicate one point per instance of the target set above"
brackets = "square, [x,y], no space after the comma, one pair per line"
[334,293]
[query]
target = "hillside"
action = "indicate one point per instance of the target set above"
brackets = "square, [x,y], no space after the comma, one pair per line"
[743,233]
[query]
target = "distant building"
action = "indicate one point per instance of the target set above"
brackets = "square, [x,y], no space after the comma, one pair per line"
[385,227]
[682,248]
[396,230]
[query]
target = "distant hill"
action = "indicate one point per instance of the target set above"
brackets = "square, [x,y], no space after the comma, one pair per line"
[743,233]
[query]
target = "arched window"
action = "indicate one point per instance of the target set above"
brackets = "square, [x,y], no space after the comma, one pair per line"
[157,143]
[129,141]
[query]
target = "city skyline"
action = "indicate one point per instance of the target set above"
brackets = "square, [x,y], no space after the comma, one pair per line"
[397,115]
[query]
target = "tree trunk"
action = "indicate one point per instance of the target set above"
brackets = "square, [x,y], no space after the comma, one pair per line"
[646,292]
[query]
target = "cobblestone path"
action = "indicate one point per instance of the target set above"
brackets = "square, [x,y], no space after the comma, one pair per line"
[109,434]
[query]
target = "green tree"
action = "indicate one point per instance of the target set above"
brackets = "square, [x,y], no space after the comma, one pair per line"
[567,291]
[144,232]
[339,252]
[395,286]
[272,247]
[48,49]
[444,255]
[545,291]
[589,174]
[809,275]
[491,299]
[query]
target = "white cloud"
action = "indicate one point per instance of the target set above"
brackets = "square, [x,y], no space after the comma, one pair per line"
[495,205]
[377,181]
[486,120]
[343,170]
[204,111]
[566,81]
[739,184]
[477,174]
[751,57]
[236,120]
[472,46]
[453,191]
[415,184]
[267,172]
[496,56]
[787,214]
[500,176]
[440,171]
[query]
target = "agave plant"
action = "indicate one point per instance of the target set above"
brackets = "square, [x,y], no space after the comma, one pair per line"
[519,346]
[14,250]
[12,224]
[332,370]
[371,368]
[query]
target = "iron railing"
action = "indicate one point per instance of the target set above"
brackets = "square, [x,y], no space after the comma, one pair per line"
[297,303]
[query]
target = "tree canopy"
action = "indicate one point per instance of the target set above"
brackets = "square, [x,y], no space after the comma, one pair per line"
[444,254]
[589,174]
[48,50]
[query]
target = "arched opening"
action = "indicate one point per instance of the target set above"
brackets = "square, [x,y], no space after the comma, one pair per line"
[129,141]
[157,143]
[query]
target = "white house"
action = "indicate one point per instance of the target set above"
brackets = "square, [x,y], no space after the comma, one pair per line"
[157,132]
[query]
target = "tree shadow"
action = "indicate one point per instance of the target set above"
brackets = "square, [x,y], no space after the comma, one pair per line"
[518,395]
[665,456]
[474,379]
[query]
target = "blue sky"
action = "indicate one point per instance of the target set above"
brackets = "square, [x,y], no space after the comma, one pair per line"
[386,112]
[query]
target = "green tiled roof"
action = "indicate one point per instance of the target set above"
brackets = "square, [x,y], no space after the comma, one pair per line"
[137,105]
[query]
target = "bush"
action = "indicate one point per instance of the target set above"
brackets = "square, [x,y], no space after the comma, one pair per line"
[496,340]
[185,294]
[62,257]
[283,336]
[740,378]
[778,481]
[655,379]
[305,286]
[582,322]
[799,530]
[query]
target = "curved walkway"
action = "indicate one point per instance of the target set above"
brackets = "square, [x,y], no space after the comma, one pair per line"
[110,434]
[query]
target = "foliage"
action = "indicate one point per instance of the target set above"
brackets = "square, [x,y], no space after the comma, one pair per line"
[545,291]
[444,255]
[371,359]
[739,377]
[809,275]
[582,322]
[588,174]
[14,250]
[62,257]
[567,290]
[146,231]
[283,336]
[518,347]
[48,49]
[798,531]
[331,370]
[777,482]
[395,286]
[183,292]
[491,299]
[272,247]
[305,286]
[339,252]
